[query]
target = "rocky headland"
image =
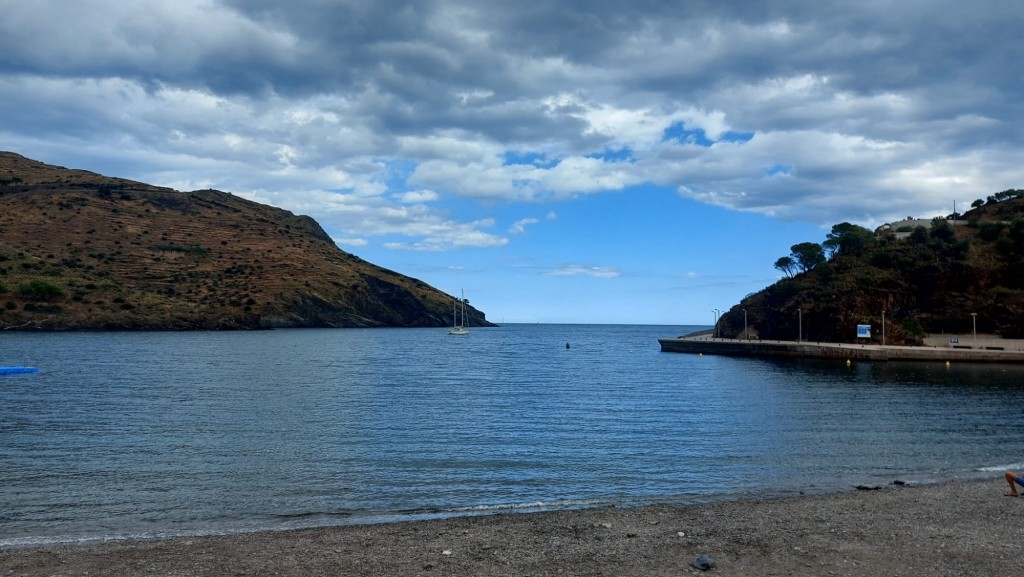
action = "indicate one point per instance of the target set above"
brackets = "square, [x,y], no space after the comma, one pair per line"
[82,251]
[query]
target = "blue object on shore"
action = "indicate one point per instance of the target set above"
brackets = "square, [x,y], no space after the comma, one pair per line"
[17,370]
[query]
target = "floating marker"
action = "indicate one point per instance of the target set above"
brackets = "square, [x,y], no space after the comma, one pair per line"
[17,370]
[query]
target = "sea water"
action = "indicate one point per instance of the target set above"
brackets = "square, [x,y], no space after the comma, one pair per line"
[158,434]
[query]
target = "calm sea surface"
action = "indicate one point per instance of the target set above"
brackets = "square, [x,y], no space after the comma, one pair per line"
[156,434]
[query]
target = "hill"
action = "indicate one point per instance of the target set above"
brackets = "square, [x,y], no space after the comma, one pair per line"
[79,250]
[954,275]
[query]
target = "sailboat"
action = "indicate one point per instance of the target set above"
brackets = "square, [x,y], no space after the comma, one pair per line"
[458,323]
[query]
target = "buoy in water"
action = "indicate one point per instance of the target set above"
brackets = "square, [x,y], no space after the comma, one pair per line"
[567,345]
[17,370]
[847,362]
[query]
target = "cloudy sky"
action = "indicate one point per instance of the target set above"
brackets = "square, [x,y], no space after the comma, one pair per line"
[561,161]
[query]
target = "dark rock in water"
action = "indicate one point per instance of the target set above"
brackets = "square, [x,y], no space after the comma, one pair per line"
[868,487]
[703,563]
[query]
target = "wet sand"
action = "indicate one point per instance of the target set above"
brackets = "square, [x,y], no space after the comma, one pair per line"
[961,528]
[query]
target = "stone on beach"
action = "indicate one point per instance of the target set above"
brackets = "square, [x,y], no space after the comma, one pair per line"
[703,562]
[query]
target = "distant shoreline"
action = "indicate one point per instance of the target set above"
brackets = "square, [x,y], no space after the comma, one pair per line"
[702,344]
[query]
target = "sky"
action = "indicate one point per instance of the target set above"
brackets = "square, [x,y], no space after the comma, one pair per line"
[558,161]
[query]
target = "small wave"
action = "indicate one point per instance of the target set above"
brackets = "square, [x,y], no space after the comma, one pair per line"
[44,541]
[300,516]
[1001,468]
[534,506]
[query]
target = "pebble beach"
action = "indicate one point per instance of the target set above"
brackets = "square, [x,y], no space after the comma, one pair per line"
[954,528]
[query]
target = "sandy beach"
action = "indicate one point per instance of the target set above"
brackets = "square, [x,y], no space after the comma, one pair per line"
[957,528]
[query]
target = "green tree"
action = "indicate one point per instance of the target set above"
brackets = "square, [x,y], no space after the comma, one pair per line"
[1012,244]
[990,230]
[942,230]
[919,235]
[847,239]
[807,255]
[1008,194]
[39,290]
[787,265]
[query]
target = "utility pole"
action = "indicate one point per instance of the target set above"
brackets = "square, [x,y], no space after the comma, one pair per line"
[746,337]
[883,328]
[974,328]
[800,325]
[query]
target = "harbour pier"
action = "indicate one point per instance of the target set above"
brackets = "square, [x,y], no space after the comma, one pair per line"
[707,345]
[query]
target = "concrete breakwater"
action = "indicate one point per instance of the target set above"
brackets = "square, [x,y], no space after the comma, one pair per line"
[853,352]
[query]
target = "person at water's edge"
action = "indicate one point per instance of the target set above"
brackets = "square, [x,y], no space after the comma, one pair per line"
[1012,478]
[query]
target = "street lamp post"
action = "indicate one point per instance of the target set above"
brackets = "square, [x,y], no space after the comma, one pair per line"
[800,325]
[883,328]
[714,332]
[974,328]
[745,336]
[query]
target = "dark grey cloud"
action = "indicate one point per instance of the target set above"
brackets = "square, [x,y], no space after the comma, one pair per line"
[872,97]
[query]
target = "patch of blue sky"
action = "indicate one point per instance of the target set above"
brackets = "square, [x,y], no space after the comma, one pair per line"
[778,170]
[530,158]
[624,154]
[679,132]
[398,172]
[730,136]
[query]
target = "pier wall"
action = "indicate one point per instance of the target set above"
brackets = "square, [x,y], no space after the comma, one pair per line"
[730,347]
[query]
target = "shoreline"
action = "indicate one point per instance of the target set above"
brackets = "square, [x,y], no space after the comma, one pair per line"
[951,528]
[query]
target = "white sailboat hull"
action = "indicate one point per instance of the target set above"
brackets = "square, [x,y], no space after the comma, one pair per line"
[459,328]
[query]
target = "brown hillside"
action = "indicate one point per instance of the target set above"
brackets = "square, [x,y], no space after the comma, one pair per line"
[949,277]
[79,250]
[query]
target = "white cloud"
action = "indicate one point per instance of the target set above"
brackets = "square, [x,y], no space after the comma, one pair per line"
[417,196]
[580,270]
[351,242]
[379,117]
[519,226]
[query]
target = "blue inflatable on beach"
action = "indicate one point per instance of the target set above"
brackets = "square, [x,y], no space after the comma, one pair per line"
[17,370]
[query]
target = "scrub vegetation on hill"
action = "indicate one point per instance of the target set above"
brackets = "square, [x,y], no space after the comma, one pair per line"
[939,278]
[79,250]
